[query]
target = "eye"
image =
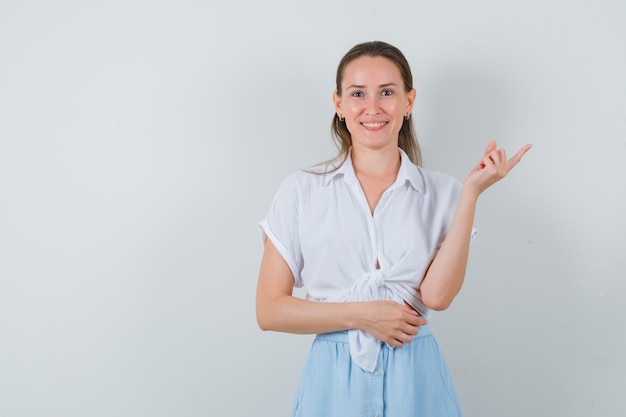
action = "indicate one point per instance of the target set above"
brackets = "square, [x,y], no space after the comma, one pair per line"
[387,92]
[357,94]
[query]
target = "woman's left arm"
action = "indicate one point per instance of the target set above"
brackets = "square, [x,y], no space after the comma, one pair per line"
[444,277]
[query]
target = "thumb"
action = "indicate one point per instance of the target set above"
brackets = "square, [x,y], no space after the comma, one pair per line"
[492,145]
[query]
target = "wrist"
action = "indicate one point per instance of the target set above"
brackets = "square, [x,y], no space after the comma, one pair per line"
[469,194]
[357,315]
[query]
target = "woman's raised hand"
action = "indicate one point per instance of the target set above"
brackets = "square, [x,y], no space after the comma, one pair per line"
[492,167]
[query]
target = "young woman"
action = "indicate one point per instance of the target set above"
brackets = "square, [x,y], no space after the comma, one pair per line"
[379,242]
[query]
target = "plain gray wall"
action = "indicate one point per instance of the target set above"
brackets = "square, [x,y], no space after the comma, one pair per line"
[142,141]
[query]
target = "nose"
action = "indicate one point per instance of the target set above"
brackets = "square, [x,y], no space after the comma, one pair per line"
[372,105]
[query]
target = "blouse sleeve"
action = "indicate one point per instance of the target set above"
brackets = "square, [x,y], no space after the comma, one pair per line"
[281,226]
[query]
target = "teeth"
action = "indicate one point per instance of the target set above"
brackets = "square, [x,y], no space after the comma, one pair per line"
[381,124]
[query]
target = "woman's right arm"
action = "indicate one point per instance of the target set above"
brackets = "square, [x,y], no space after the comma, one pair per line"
[277,309]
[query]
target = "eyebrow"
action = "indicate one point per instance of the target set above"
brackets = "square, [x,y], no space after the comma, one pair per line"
[380,86]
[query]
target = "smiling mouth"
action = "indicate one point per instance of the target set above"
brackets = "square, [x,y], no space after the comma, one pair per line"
[374,125]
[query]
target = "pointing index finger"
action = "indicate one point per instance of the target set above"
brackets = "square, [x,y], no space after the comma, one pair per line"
[518,156]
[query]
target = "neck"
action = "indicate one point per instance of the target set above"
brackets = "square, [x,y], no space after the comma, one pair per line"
[376,163]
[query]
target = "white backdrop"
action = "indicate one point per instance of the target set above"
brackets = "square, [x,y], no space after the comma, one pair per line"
[141,141]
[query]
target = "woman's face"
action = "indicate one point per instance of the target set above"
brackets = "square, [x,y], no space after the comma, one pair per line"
[373,102]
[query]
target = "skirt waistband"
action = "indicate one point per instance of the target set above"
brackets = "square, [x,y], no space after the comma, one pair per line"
[342,337]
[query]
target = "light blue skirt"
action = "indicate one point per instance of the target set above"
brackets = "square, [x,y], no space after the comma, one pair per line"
[411,381]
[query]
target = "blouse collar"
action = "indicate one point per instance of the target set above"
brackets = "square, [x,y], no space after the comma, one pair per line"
[408,172]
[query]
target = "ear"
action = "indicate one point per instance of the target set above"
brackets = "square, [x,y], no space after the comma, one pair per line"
[410,100]
[337,103]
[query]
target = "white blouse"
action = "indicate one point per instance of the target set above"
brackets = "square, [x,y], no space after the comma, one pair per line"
[323,228]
